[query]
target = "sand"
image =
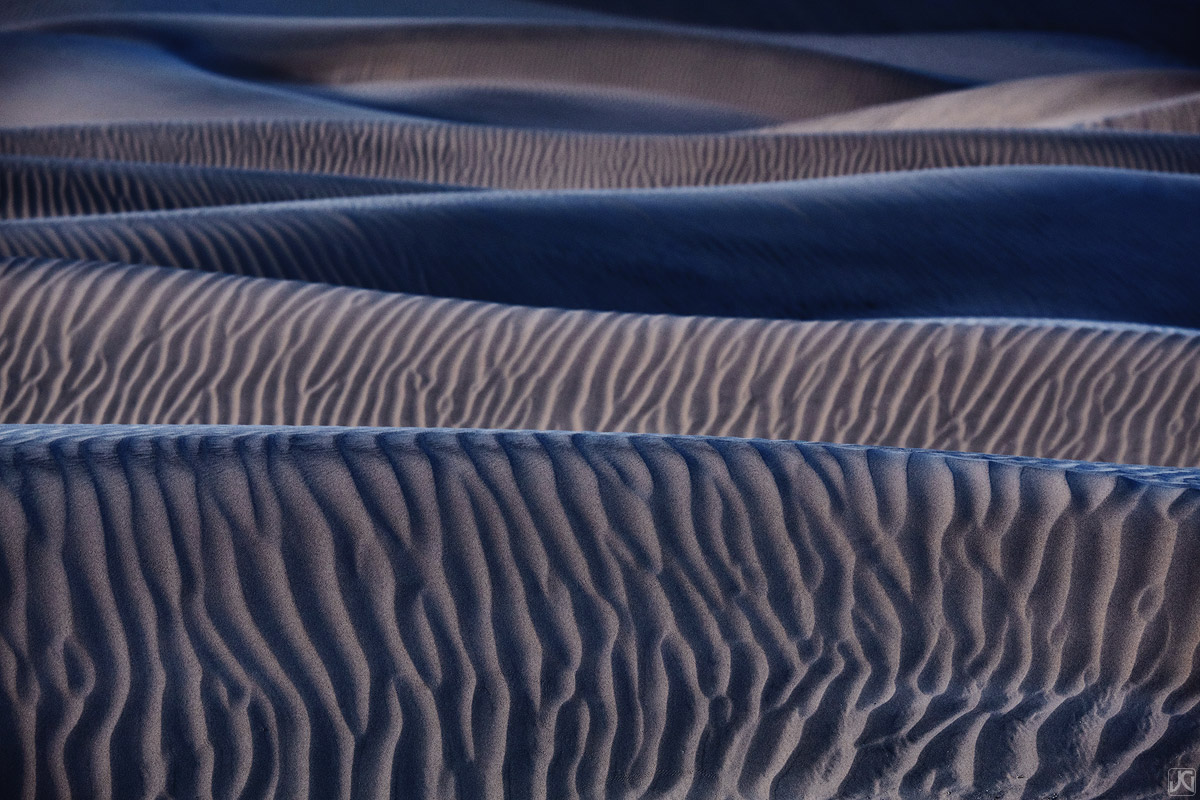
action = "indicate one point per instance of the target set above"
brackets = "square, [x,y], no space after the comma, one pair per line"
[292,61]
[514,158]
[513,400]
[1038,241]
[56,187]
[92,343]
[336,612]
[1045,102]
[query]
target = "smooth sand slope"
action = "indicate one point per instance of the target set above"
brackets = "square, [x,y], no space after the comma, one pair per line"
[1043,102]
[988,56]
[1027,243]
[24,11]
[1161,25]
[265,69]
[1179,115]
[337,613]
[626,78]
[88,343]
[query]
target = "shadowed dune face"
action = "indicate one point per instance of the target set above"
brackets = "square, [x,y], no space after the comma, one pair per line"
[1160,24]
[554,615]
[1013,243]
[366,386]
[270,70]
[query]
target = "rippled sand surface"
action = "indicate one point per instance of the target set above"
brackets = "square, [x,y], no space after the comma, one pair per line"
[534,402]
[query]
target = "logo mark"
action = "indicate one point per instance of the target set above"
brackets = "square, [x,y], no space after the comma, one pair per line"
[1181,782]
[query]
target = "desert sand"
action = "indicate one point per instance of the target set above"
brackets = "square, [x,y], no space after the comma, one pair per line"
[478,614]
[151,345]
[514,400]
[1028,242]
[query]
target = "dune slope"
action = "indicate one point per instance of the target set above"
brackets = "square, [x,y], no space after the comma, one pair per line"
[513,158]
[545,404]
[92,343]
[336,613]
[1035,242]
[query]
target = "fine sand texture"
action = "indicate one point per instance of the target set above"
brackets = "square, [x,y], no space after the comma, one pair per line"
[335,613]
[516,158]
[49,187]
[91,343]
[504,399]
[635,105]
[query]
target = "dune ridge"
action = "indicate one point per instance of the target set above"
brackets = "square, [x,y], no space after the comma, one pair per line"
[1057,101]
[344,50]
[569,407]
[1040,242]
[56,187]
[464,614]
[88,343]
[518,159]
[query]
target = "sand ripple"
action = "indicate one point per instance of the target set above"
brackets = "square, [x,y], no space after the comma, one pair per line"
[572,406]
[345,613]
[93,343]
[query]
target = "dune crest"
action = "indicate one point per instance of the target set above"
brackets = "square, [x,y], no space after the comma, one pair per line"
[145,345]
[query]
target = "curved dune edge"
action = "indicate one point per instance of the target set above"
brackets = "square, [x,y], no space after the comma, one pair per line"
[770,74]
[327,613]
[1012,242]
[94,343]
[234,68]
[281,68]
[519,159]
[57,187]
[1055,101]
[1181,115]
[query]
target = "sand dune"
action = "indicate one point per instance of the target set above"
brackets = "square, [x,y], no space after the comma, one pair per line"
[762,78]
[1180,115]
[519,159]
[47,80]
[428,338]
[335,613]
[987,56]
[1039,242]
[50,187]
[24,11]
[625,78]
[495,104]
[1059,101]
[1166,26]
[90,343]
